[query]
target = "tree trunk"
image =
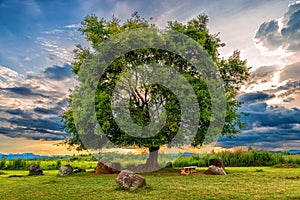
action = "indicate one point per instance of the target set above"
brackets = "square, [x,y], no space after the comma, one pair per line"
[152,161]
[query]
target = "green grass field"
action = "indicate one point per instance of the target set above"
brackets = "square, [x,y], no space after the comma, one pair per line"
[240,183]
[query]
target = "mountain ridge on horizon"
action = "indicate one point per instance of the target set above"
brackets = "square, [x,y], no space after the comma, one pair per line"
[29,156]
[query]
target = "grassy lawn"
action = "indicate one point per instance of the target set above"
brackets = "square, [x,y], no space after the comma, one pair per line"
[240,183]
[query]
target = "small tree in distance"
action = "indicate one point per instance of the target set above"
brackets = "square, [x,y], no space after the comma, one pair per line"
[147,101]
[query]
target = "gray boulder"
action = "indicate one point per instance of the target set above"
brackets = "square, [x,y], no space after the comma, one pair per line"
[218,162]
[65,170]
[169,165]
[213,170]
[130,181]
[35,169]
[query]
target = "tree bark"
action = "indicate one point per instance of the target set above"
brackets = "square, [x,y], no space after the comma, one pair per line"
[152,161]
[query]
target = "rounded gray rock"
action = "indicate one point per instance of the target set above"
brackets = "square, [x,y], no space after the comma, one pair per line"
[65,170]
[130,181]
[213,170]
[35,169]
[218,162]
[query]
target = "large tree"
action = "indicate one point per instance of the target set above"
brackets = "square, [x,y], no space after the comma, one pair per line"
[149,102]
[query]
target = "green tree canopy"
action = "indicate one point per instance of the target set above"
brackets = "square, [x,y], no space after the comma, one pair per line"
[151,103]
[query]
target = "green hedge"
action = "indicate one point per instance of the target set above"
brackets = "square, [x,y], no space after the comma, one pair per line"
[251,158]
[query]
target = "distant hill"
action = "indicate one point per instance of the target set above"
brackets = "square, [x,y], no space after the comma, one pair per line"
[29,156]
[292,151]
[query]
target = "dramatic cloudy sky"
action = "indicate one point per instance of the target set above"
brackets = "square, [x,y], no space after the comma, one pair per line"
[37,39]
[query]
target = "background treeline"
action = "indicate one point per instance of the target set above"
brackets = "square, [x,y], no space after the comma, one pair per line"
[82,161]
[251,158]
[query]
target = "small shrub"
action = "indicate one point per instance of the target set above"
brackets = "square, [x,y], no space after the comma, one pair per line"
[259,170]
[17,164]
[195,157]
[58,164]
[3,163]
[193,163]
[73,159]
[181,162]
[201,163]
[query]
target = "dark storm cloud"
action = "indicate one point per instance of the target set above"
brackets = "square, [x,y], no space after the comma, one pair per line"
[290,99]
[272,36]
[54,111]
[26,124]
[58,73]
[16,112]
[290,85]
[254,97]
[63,103]
[24,119]
[260,115]
[274,116]
[32,128]
[266,126]
[23,91]
[57,110]
[257,107]
[269,126]
[289,90]
[31,133]
[269,138]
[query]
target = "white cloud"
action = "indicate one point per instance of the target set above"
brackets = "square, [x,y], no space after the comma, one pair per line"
[8,77]
[33,7]
[57,45]
[52,32]
[55,53]
[281,37]
[72,26]
[283,83]
[169,14]
[123,9]
[27,59]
